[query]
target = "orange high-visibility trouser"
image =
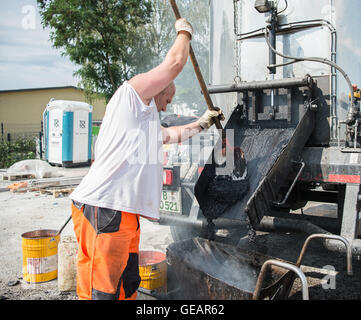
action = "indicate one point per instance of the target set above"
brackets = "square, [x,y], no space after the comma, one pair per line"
[108,248]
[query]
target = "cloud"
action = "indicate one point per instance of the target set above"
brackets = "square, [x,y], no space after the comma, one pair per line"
[27,58]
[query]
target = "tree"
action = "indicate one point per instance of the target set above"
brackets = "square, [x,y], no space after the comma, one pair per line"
[104,37]
[112,40]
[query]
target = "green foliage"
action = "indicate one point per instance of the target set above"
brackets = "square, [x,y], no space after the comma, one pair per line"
[14,151]
[102,37]
[113,40]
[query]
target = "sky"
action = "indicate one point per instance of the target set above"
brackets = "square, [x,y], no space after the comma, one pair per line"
[27,59]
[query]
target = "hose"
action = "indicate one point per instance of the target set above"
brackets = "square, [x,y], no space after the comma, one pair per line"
[284,8]
[352,111]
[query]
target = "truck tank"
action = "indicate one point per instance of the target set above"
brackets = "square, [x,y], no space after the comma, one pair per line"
[259,49]
[283,72]
[239,52]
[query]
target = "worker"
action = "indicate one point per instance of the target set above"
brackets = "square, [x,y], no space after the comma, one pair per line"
[125,180]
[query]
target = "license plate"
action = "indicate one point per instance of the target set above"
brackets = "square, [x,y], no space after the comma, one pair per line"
[171,202]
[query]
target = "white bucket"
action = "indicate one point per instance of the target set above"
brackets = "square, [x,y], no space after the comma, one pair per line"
[67,256]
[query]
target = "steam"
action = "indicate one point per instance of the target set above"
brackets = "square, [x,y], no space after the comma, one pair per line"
[219,264]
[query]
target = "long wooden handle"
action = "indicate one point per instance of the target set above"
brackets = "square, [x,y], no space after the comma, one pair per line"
[197,70]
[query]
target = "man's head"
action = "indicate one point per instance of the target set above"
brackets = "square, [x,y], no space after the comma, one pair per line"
[165,97]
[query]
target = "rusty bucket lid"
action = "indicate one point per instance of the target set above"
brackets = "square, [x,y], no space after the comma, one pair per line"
[39,234]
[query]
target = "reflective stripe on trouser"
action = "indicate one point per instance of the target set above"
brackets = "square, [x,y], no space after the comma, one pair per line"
[107,262]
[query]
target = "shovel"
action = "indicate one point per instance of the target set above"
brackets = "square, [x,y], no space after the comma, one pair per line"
[215,193]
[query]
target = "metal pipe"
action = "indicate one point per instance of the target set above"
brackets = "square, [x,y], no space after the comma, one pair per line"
[307,81]
[288,266]
[273,108]
[272,38]
[293,184]
[352,110]
[276,224]
[224,223]
[288,27]
[333,45]
[330,224]
[185,221]
[180,221]
[355,132]
[328,236]
[299,26]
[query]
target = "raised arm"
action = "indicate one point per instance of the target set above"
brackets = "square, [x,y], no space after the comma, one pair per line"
[150,83]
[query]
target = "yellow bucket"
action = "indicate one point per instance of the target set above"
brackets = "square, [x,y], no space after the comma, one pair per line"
[153,270]
[40,255]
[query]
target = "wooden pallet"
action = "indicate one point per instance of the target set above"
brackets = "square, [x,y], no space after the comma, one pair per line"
[16,177]
[56,192]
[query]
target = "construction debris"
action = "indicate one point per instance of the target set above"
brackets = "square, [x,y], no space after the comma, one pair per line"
[56,186]
[57,192]
[16,177]
[15,186]
[35,168]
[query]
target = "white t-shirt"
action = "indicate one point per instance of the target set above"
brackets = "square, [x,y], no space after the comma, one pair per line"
[126,174]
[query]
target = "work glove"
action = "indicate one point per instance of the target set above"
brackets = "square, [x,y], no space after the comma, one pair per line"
[207,119]
[183,25]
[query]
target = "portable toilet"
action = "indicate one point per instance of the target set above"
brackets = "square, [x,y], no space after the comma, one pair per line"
[68,133]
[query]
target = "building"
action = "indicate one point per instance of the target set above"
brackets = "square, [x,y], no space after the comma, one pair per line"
[21,110]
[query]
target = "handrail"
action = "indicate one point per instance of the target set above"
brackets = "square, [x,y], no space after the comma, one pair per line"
[285,265]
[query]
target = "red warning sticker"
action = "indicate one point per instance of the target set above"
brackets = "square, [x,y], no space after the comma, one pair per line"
[344,178]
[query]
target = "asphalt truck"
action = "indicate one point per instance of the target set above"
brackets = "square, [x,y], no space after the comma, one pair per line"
[286,74]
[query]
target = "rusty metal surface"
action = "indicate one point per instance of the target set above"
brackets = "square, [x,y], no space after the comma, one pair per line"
[38,234]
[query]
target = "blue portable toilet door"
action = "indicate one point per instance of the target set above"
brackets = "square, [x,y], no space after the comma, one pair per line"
[55,131]
[81,136]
